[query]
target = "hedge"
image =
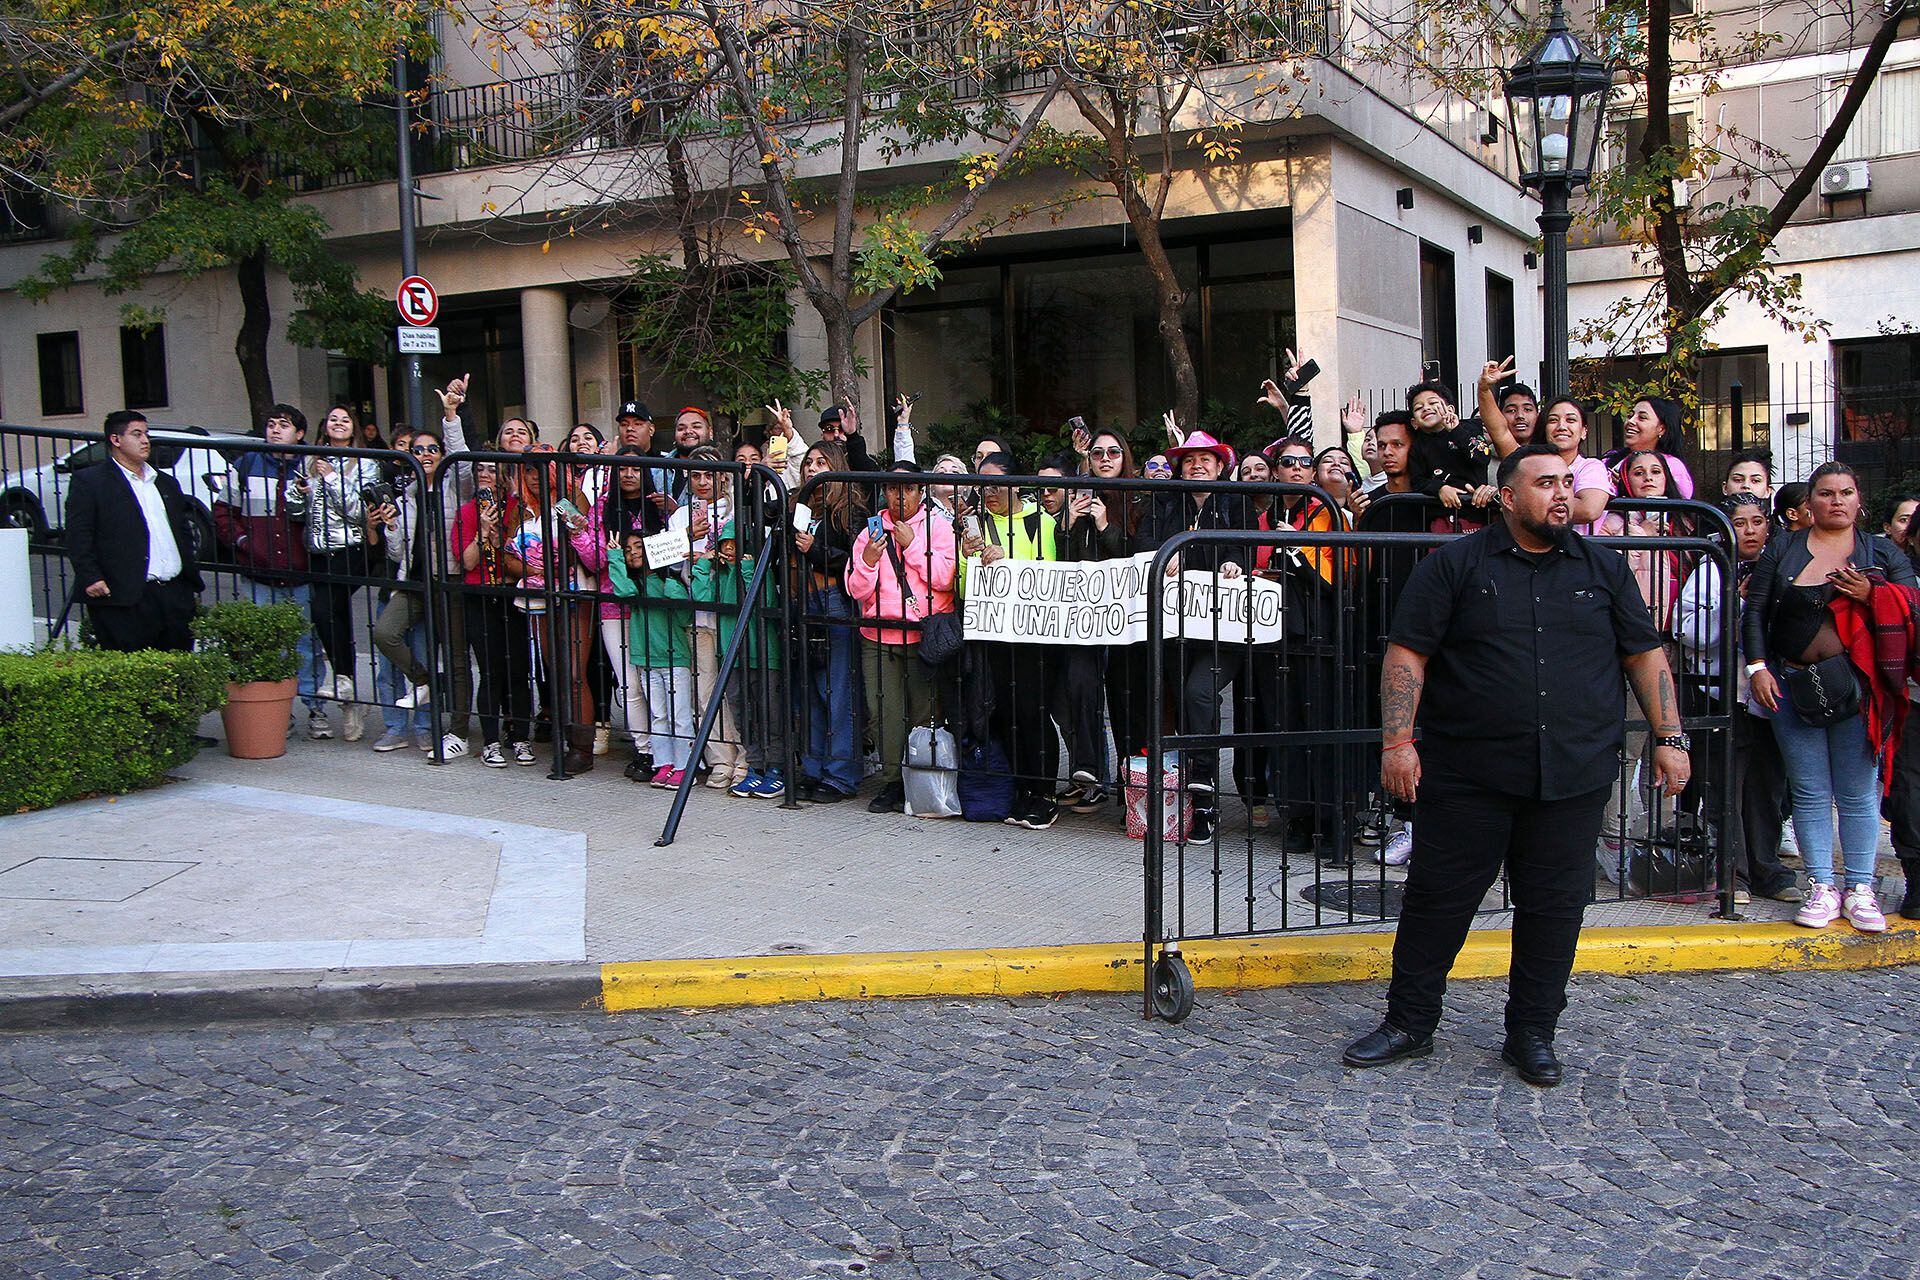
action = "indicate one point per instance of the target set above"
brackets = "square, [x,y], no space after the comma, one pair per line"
[81,721]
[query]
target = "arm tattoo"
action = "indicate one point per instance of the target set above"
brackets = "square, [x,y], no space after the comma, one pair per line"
[1652,682]
[1400,685]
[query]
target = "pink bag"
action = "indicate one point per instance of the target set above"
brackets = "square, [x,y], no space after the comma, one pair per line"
[1176,819]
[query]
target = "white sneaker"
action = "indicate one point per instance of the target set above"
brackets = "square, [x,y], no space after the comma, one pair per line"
[523,753]
[343,688]
[492,756]
[602,739]
[417,696]
[356,722]
[317,725]
[1398,850]
[1821,908]
[1862,910]
[1789,843]
[452,746]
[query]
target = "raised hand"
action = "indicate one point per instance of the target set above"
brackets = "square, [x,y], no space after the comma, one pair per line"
[782,418]
[1493,373]
[1174,434]
[1271,396]
[454,394]
[1353,418]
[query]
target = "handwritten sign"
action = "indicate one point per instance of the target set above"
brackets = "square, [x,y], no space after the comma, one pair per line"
[1105,602]
[664,550]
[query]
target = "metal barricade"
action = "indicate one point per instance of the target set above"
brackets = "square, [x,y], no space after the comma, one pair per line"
[1027,710]
[1203,889]
[235,490]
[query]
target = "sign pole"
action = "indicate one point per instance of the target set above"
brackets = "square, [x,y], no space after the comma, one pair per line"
[410,364]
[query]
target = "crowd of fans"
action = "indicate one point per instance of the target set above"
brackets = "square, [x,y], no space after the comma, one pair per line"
[567,609]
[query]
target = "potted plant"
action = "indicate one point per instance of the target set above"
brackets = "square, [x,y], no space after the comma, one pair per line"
[258,643]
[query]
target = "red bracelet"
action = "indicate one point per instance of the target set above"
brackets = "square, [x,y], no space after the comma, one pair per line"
[1395,746]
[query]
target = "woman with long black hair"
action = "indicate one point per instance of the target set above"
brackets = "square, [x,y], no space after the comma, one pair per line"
[835,514]
[337,488]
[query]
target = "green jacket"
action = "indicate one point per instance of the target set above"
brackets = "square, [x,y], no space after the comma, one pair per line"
[722,584]
[656,633]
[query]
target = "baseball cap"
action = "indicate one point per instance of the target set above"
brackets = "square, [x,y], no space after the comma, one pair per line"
[906,464]
[830,416]
[634,409]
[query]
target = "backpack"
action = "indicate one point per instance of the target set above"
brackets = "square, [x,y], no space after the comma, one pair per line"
[986,782]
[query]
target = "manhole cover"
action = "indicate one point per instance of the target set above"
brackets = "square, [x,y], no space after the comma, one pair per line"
[1358,901]
[86,879]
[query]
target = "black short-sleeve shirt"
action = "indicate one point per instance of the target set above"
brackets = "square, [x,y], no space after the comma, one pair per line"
[1524,689]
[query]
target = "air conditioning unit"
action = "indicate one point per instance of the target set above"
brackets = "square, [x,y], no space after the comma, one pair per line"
[1849,179]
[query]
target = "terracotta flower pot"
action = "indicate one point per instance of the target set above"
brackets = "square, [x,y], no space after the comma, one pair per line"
[255,718]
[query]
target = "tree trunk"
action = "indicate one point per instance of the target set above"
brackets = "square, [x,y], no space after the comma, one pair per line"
[256,324]
[842,373]
[1172,298]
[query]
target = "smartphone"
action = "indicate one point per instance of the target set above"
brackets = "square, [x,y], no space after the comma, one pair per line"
[1430,371]
[567,511]
[1305,373]
[876,529]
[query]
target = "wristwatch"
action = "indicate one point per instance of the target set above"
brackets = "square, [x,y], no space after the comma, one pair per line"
[1678,741]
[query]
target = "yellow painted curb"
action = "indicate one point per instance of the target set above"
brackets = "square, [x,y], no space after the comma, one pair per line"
[1228,964]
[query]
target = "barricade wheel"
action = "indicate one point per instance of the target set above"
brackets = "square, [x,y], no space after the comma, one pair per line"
[1172,988]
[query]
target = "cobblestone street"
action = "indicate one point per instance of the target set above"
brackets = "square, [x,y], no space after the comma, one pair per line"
[1738,1125]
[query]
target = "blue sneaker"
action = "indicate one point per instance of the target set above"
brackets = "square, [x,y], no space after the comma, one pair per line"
[747,787]
[773,785]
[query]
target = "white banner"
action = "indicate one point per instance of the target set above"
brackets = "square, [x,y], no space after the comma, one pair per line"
[1105,602]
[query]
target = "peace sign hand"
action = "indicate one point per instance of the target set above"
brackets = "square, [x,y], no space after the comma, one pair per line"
[1493,373]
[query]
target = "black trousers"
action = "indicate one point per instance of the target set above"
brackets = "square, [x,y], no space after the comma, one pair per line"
[1759,795]
[332,605]
[1205,670]
[1019,722]
[1901,808]
[1075,678]
[1130,699]
[160,619]
[1463,834]
[496,632]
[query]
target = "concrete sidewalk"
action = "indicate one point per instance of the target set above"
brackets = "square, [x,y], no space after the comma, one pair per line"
[338,859]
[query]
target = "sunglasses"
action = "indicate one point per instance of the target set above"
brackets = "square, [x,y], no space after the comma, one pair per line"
[1294,460]
[1106,451]
[424,450]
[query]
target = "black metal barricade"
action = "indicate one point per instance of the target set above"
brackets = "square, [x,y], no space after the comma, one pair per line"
[1202,889]
[236,489]
[571,601]
[1031,708]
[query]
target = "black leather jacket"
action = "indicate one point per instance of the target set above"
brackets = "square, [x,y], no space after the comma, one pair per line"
[1782,561]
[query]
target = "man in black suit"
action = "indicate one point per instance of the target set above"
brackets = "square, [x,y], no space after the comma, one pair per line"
[127,535]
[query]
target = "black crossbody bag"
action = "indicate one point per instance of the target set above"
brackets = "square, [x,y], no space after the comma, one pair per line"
[1824,693]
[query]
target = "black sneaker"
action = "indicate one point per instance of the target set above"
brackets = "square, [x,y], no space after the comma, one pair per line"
[640,769]
[1205,823]
[892,799]
[1091,800]
[1038,815]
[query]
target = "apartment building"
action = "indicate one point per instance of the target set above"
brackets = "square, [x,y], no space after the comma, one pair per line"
[1854,243]
[1374,227]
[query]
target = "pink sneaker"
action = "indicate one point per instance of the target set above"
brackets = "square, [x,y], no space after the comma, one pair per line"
[1862,910]
[671,779]
[1821,908]
[660,776]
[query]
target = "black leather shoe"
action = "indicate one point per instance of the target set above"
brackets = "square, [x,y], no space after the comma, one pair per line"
[1386,1043]
[892,799]
[1531,1055]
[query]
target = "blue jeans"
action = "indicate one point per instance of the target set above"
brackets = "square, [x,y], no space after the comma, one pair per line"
[390,682]
[833,723]
[1827,769]
[312,664]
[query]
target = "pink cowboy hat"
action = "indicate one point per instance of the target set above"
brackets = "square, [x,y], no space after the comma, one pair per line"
[1201,442]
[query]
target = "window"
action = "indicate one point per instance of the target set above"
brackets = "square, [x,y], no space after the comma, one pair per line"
[1624,141]
[1439,335]
[1050,335]
[143,366]
[60,374]
[1719,372]
[1889,119]
[1878,383]
[1500,338]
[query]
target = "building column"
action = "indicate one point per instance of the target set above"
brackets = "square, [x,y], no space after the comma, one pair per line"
[547,357]
[1316,287]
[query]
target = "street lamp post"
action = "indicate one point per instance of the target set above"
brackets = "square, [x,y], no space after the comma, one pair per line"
[1556,98]
[410,363]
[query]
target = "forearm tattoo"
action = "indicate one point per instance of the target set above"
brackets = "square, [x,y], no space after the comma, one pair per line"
[1400,685]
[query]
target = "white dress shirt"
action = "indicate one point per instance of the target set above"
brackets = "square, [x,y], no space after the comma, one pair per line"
[163,553]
